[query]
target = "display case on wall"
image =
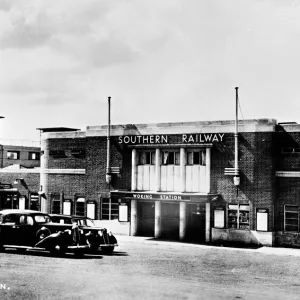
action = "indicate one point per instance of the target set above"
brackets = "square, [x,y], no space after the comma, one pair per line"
[238,216]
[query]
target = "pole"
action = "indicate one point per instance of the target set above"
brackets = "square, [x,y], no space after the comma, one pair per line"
[108,175]
[236,132]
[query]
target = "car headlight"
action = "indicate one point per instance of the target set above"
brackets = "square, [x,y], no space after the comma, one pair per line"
[100,233]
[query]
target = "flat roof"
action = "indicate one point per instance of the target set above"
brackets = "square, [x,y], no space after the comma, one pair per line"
[57,129]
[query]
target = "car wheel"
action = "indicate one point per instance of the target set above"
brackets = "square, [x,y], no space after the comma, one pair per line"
[42,233]
[108,250]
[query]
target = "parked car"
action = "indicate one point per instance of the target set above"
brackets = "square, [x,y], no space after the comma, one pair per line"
[97,237]
[28,229]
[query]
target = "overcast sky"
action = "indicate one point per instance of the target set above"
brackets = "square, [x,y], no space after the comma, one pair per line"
[159,60]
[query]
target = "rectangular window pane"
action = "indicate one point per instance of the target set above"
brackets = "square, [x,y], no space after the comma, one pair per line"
[291,218]
[196,158]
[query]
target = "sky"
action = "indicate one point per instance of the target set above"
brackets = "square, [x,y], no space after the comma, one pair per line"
[158,60]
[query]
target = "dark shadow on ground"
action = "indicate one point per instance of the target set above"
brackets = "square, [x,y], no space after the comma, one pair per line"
[223,244]
[41,253]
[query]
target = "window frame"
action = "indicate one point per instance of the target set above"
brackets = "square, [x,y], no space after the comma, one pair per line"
[291,212]
[238,216]
[112,209]
[146,157]
[10,155]
[32,153]
[190,161]
[170,160]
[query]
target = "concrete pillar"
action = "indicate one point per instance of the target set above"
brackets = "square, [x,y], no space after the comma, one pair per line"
[182,169]
[134,160]
[207,223]
[208,168]
[182,220]
[133,218]
[157,217]
[157,170]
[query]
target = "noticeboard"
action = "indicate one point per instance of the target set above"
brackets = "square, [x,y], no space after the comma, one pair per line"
[262,219]
[123,212]
[219,218]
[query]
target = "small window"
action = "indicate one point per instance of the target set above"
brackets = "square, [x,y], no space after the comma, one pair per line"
[291,218]
[171,158]
[238,216]
[33,155]
[57,153]
[196,157]
[13,155]
[147,158]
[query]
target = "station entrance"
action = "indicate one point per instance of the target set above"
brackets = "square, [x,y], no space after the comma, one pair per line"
[145,219]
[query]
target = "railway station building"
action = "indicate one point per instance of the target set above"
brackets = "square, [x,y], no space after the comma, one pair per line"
[178,180]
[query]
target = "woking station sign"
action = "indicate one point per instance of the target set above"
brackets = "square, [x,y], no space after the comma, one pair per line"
[164,139]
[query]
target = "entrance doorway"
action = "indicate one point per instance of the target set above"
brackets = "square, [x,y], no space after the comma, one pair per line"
[195,231]
[145,222]
[170,220]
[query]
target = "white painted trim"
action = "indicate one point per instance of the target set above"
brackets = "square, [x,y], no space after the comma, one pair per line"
[288,174]
[27,171]
[64,171]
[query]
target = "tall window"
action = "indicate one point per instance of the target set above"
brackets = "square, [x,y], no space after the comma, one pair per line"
[80,202]
[147,158]
[196,157]
[171,158]
[109,209]
[55,204]
[291,218]
[238,216]
[13,155]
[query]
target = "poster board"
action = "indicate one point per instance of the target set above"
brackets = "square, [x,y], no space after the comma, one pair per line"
[219,218]
[123,213]
[262,219]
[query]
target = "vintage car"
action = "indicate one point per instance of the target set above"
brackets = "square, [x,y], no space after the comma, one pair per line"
[101,238]
[27,229]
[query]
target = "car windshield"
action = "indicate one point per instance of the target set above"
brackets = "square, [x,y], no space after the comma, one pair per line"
[85,222]
[41,218]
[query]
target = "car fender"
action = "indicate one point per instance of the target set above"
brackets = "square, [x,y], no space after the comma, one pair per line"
[51,240]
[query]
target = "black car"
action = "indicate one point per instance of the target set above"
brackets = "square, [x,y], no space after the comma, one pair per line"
[105,240]
[27,229]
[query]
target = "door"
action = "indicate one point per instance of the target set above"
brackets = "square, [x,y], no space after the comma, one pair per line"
[196,222]
[10,229]
[145,218]
[170,220]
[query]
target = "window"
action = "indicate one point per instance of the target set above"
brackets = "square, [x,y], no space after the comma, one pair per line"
[109,209]
[291,218]
[171,158]
[57,153]
[80,203]
[55,204]
[13,155]
[196,157]
[33,155]
[147,158]
[238,216]
[10,219]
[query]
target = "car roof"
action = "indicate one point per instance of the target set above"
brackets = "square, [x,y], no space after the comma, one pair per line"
[21,211]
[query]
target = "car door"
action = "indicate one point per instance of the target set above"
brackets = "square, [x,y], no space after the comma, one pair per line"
[26,230]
